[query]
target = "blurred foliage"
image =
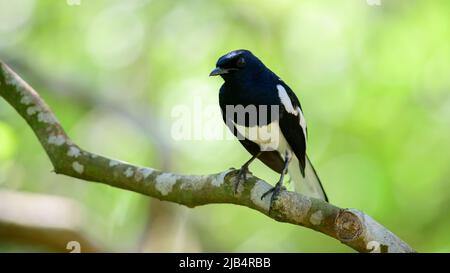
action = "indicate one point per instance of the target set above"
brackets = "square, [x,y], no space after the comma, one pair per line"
[373,80]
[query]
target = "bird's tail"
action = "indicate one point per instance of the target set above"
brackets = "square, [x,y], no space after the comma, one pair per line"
[309,184]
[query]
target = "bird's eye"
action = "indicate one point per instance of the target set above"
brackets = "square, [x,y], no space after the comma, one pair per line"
[240,62]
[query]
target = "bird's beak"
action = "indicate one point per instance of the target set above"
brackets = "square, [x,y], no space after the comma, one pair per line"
[218,71]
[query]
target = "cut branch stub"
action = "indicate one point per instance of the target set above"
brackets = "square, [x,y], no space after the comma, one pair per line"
[348,226]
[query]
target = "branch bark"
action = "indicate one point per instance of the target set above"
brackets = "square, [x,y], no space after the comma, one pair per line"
[352,227]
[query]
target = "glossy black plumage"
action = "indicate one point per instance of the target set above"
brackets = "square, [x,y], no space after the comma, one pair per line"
[258,87]
[248,82]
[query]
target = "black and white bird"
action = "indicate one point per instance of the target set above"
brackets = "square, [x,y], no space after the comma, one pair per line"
[279,139]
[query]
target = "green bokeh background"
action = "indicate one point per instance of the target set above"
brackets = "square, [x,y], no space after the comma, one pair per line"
[373,81]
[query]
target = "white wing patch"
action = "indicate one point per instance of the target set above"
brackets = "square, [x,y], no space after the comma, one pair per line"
[285,100]
[287,103]
[302,121]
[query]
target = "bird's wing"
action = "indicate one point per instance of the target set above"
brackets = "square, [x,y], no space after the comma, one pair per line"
[293,128]
[292,123]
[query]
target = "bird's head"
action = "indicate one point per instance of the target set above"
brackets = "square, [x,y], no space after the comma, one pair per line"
[236,64]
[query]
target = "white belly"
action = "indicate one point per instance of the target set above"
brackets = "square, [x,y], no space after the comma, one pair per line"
[268,137]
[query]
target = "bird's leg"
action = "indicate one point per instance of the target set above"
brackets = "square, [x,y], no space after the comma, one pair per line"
[279,186]
[242,175]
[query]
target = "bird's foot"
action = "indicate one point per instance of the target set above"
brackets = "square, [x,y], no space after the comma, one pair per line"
[241,177]
[275,193]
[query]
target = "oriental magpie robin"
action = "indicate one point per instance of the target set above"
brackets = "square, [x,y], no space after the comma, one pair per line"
[266,116]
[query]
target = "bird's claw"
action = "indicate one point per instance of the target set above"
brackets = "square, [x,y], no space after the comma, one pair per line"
[241,177]
[275,193]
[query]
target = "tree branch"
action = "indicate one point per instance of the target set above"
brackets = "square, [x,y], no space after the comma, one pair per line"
[45,220]
[349,226]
